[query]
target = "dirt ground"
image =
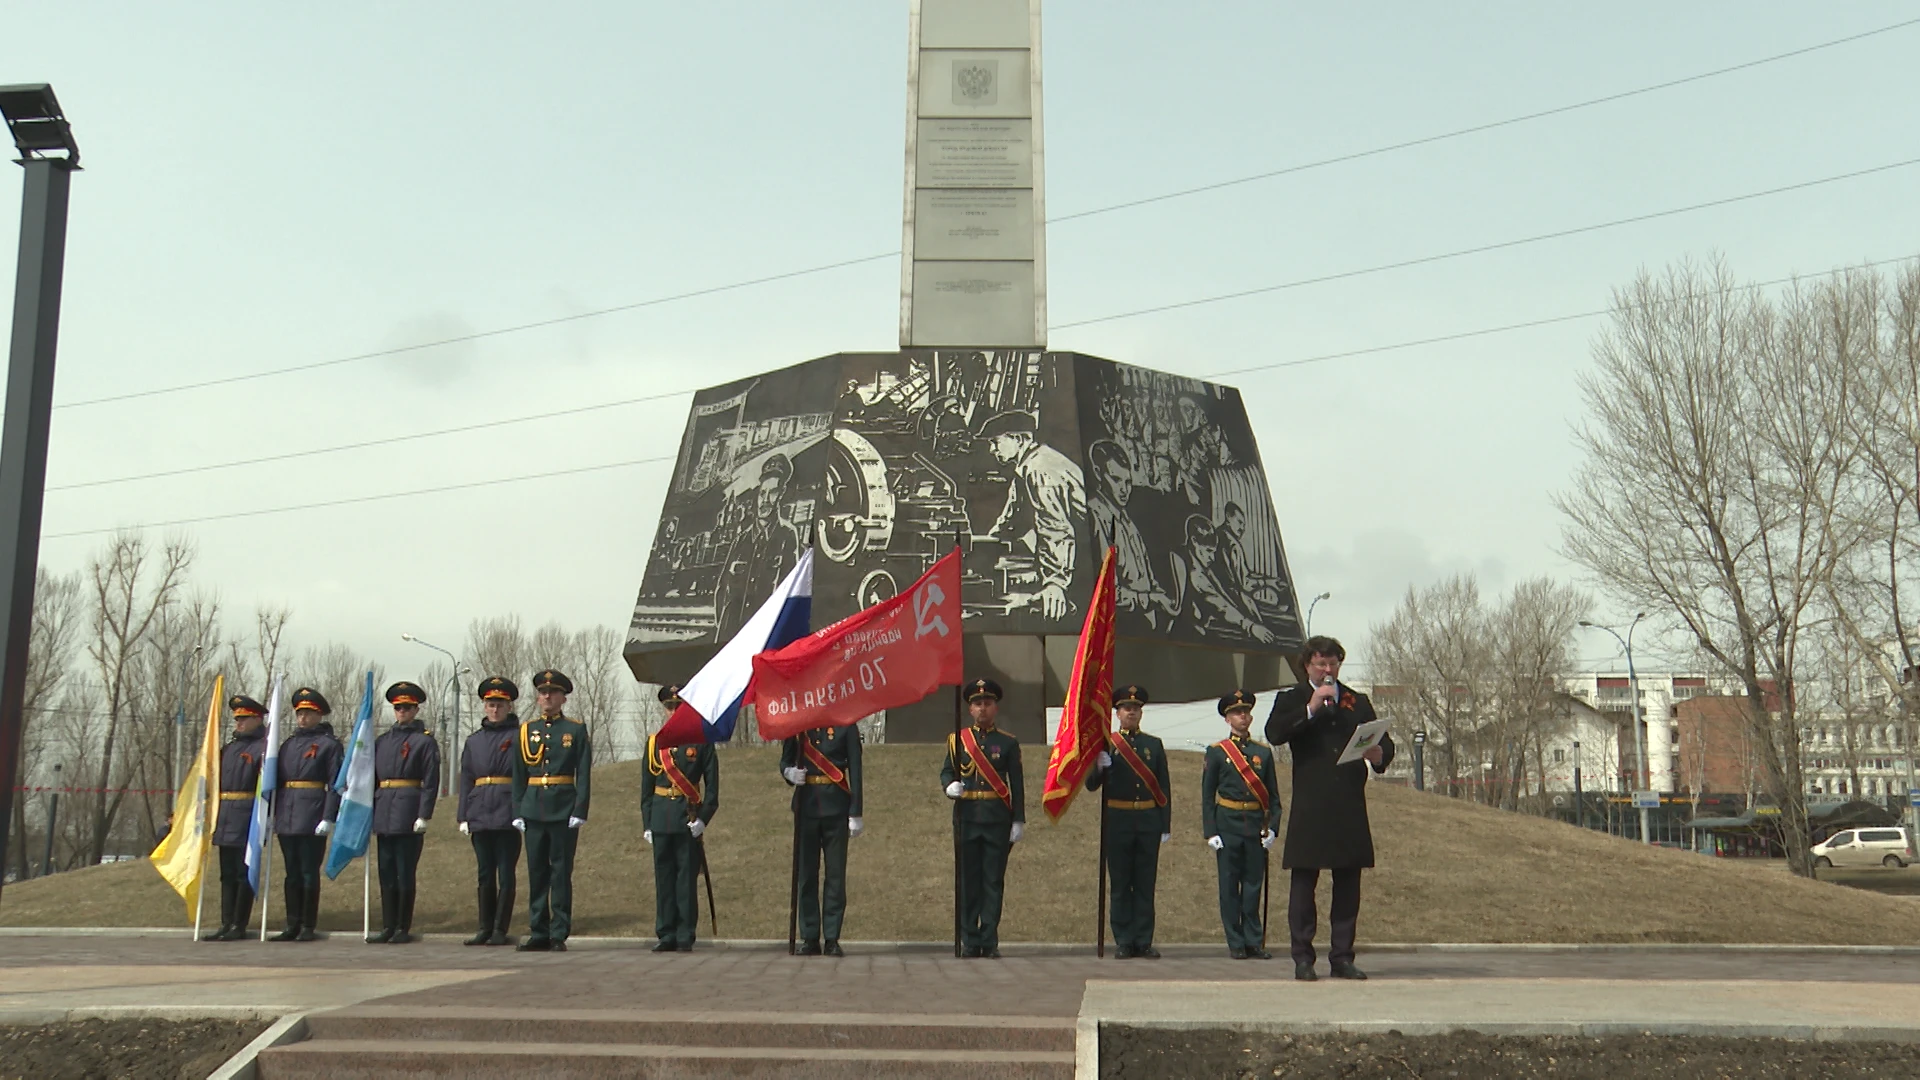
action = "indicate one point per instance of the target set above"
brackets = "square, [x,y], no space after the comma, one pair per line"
[1449,871]
[148,1049]
[1147,1054]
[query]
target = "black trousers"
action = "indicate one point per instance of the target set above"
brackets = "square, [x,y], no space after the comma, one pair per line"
[233,864]
[550,846]
[300,859]
[1242,864]
[236,896]
[399,860]
[676,879]
[984,847]
[1303,918]
[496,853]
[823,904]
[1133,868]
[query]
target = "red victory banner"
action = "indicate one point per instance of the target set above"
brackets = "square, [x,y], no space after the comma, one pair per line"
[891,654]
[1084,720]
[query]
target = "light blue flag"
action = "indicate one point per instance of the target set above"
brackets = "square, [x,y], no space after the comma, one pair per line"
[355,785]
[263,793]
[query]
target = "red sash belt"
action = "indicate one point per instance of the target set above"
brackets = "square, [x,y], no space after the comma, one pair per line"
[1127,754]
[987,772]
[1251,778]
[827,768]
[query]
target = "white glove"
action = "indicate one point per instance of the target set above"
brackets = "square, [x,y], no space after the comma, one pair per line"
[1014,836]
[696,827]
[954,789]
[323,828]
[1215,843]
[575,822]
[520,823]
[1266,840]
[1104,761]
[795,775]
[419,824]
[855,827]
[466,829]
[1166,837]
[647,835]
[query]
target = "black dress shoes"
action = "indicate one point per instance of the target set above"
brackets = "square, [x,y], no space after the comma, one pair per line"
[1237,953]
[991,954]
[1344,969]
[1304,972]
[1124,952]
[809,948]
[1147,953]
[665,946]
[533,944]
[558,946]
[833,948]
[1255,952]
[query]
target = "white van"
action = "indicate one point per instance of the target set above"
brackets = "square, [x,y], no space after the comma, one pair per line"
[1865,847]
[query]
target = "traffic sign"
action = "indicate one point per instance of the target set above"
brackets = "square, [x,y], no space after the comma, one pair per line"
[1913,796]
[1646,800]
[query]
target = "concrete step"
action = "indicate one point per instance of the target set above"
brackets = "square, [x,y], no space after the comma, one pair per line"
[375,1059]
[710,1029]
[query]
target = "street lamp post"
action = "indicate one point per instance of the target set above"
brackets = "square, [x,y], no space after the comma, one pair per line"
[1633,688]
[447,764]
[49,155]
[53,820]
[1579,797]
[1419,761]
[1315,604]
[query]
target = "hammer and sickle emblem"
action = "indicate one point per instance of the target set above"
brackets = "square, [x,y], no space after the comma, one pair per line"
[924,618]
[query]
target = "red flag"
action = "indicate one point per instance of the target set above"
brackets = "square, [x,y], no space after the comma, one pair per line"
[1084,720]
[891,654]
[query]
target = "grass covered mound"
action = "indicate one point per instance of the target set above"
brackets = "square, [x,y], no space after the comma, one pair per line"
[1449,872]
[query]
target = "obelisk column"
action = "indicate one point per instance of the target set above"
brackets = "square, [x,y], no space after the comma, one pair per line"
[974,256]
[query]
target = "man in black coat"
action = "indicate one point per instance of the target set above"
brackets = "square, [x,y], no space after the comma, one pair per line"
[1328,828]
[406,784]
[486,808]
[239,775]
[304,806]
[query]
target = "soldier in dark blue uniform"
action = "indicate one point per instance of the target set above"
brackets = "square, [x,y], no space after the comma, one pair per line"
[1240,816]
[823,765]
[552,769]
[406,784]
[304,806]
[486,808]
[239,775]
[1139,820]
[678,797]
[982,771]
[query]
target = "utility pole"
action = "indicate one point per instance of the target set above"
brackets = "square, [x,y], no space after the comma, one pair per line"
[1639,743]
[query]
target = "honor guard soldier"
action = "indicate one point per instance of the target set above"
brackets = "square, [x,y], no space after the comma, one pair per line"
[486,807]
[239,778]
[406,784]
[550,787]
[1240,816]
[678,798]
[1133,772]
[982,772]
[823,765]
[304,806]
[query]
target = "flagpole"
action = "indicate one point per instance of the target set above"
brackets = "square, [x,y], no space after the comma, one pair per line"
[953,749]
[266,874]
[1100,877]
[366,897]
[199,896]
[793,895]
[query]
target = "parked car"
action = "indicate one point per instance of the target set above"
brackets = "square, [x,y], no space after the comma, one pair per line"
[1891,848]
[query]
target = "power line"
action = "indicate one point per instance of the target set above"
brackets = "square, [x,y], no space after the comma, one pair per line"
[1462,335]
[1298,283]
[1113,208]
[467,486]
[1482,249]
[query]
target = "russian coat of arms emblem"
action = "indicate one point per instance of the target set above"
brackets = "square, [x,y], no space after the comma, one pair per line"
[976,82]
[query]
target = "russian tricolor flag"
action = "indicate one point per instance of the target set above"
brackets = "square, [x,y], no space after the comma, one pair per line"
[710,702]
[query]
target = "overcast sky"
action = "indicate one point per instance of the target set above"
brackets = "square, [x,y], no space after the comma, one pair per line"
[273,185]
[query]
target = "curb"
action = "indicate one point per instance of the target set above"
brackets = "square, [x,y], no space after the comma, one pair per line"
[288,1029]
[32,1016]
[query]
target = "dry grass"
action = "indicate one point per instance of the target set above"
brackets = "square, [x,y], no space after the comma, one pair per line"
[1449,871]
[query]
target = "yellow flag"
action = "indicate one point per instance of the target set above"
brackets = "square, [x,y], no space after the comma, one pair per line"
[182,857]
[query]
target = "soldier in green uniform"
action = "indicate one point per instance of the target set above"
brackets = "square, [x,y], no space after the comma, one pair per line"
[551,771]
[1139,820]
[678,798]
[823,765]
[1240,816]
[982,772]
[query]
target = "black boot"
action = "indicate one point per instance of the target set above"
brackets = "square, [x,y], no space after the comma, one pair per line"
[242,911]
[296,900]
[388,902]
[504,919]
[404,935]
[310,917]
[489,911]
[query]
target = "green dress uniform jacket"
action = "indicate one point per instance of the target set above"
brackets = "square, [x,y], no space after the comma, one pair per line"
[985,824]
[552,773]
[821,808]
[1135,823]
[676,852]
[1230,810]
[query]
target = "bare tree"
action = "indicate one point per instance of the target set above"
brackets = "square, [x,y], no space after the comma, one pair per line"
[1435,649]
[498,646]
[1532,646]
[130,589]
[1710,480]
[599,677]
[50,654]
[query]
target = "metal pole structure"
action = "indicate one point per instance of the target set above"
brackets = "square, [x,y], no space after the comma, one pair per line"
[1579,797]
[38,126]
[53,821]
[1419,761]
[1633,689]
[450,753]
[1315,604]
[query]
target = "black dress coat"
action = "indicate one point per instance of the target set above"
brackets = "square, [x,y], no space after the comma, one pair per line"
[489,753]
[1328,828]
[404,752]
[239,771]
[310,756]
